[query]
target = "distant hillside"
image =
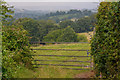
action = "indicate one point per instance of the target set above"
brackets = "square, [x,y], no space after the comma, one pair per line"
[22,13]
[56,16]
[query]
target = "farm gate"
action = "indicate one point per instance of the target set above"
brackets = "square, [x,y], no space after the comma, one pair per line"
[45,62]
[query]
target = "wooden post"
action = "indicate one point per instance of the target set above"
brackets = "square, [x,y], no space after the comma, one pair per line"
[100,75]
[91,62]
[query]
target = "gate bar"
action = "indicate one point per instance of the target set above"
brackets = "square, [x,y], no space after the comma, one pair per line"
[61,55]
[68,68]
[62,49]
[64,61]
[56,42]
[62,65]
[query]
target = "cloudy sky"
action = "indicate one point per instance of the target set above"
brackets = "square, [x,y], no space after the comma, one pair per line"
[54,4]
[53,0]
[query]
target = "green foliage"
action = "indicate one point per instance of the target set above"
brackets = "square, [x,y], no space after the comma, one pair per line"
[105,45]
[15,45]
[83,24]
[66,23]
[36,29]
[15,50]
[61,35]
[6,10]
[52,36]
[82,38]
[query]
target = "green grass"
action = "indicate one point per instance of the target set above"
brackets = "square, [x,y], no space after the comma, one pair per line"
[57,71]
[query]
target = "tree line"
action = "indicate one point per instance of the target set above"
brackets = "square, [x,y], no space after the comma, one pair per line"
[56,16]
[45,30]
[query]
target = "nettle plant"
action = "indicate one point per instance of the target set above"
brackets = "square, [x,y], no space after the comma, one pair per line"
[105,45]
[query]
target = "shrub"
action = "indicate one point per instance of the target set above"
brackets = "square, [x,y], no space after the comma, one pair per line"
[105,45]
[15,50]
[15,45]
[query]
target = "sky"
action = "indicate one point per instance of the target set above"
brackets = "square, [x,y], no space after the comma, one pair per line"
[61,0]
[53,0]
[54,5]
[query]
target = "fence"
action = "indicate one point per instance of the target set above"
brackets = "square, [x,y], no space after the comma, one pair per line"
[66,66]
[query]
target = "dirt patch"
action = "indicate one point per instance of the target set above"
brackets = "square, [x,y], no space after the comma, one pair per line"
[89,74]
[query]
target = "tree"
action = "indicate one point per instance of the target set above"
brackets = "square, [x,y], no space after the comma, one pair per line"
[36,29]
[52,36]
[61,35]
[85,24]
[68,35]
[66,23]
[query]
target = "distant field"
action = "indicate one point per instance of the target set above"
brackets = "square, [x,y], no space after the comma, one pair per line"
[88,35]
[57,71]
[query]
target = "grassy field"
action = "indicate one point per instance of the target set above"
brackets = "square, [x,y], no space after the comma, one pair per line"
[57,71]
[88,35]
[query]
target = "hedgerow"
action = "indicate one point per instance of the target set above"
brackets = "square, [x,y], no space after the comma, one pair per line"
[15,50]
[105,45]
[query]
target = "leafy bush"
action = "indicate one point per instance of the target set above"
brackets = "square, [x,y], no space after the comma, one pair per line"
[105,45]
[15,45]
[15,50]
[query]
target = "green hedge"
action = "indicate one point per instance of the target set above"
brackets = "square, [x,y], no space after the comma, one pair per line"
[105,45]
[16,50]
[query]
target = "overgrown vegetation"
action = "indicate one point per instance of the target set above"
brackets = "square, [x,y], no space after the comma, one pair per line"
[105,45]
[15,46]
[15,50]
